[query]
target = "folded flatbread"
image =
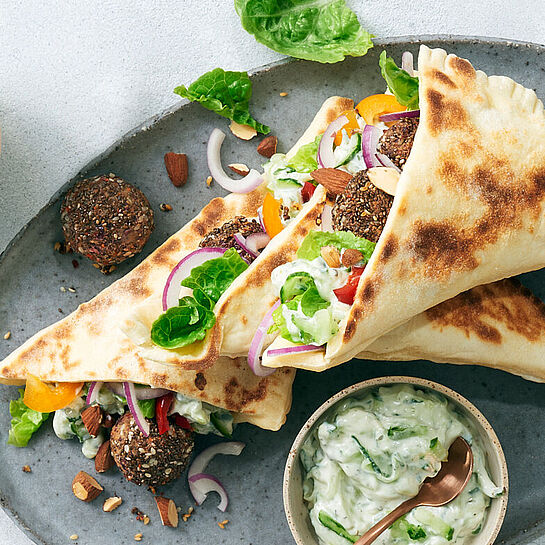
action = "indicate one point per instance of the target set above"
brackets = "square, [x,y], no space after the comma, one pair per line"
[500,325]
[468,208]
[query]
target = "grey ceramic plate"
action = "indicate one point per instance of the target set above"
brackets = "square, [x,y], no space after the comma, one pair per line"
[31,275]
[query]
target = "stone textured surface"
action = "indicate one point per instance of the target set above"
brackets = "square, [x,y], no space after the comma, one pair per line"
[78,75]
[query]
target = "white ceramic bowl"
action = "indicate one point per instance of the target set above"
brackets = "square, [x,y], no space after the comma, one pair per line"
[297,511]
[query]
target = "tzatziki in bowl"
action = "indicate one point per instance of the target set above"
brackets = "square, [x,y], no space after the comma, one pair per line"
[370,447]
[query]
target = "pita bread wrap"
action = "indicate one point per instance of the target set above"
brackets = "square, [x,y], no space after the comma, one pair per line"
[500,325]
[468,208]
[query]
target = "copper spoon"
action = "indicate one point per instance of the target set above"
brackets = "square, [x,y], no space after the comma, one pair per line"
[435,491]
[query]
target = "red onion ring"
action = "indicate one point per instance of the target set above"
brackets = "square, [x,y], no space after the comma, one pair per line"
[140,393]
[201,461]
[141,422]
[293,350]
[260,216]
[203,483]
[386,118]
[407,63]
[385,161]
[256,347]
[325,156]
[327,218]
[241,241]
[257,241]
[369,142]
[213,153]
[92,394]
[181,271]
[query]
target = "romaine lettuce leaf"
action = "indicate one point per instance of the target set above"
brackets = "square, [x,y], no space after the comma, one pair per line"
[24,421]
[182,325]
[305,160]
[209,280]
[316,30]
[404,86]
[314,241]
[226,93]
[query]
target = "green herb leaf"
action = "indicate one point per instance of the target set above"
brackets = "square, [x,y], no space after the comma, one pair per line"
[209,280]
[226,93]
[24,421]
[336,527]
[404,86]
[305,160]
[314,241]
[182,325]
[147,406]
[316,30]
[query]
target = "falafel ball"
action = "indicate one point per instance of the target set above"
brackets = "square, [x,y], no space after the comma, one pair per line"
[106,219]
[362,208]
[397,140]
[154,460]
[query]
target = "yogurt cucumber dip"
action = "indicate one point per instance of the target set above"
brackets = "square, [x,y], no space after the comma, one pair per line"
[373,451]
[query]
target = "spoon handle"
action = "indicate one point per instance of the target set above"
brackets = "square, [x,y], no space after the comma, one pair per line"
[386,522]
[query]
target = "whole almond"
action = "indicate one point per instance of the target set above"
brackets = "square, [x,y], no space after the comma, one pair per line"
[85,487]
[177,168]
[331,256]
[104,459]
[351,257]
[167,511]
[333,179]
[92,419]
[267,146]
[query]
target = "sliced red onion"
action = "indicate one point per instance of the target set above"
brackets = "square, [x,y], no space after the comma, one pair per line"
[92,394]
[254,354]
[327,218]
[252,180]
[171,291]
[241,241]
[140,393]
[260,216]
[203,483]
[293,350]
[201,461]
[386,118]
[407,63]
[369,142]
[385,161]
[257,241]
[325,157]
[141,422]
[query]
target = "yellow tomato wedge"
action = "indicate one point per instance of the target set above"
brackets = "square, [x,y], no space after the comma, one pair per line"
[45,398]
[348,127]
[372,107]
[271,215]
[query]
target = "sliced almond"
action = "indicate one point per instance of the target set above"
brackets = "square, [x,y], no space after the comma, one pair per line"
[167,511]
[333,179]
[351,257]
[85,487]
[331,256]
[244,132]
[112,503]
[239,168]
[385,178]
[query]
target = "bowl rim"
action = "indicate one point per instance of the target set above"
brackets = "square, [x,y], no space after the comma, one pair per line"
[451,394]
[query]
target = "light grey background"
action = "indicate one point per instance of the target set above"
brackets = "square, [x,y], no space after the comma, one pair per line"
[77,75]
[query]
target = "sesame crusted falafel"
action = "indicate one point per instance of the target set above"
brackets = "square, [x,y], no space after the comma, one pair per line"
[106,219]
[397,141]
[154,460]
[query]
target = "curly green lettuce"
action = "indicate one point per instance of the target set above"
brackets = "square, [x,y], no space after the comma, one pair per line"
[316,30]
[314,241]
[24,421]
[226,93]
[401,84]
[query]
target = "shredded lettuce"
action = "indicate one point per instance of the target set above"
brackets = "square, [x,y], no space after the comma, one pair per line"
[305,160]
[316,30]
[314,241]
[404,86]
[226,93]
[24,422]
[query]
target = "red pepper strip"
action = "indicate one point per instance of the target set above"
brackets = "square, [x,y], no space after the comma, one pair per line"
[307,191]
[162,406]
[182,422]
[346,293]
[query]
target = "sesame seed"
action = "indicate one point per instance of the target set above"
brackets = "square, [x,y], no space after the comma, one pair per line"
[283,94]
[71,290]
[63,289]
[146,520]
[7,335]
[209,181]
[165,207]
[138,537]
[73,537]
